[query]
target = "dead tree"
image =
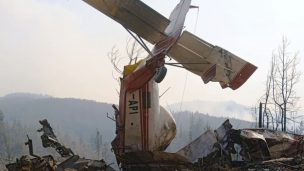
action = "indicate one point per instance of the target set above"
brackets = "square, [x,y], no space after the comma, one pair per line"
[132,55]
[98,144]
[280,84]
[266,111]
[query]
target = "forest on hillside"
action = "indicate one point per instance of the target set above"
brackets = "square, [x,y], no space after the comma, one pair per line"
[81,125]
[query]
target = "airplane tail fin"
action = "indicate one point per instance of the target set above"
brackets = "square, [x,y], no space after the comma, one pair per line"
[178,16]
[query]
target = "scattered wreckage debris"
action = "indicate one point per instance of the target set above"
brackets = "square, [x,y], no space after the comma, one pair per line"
[156,161]
[72,162]
[245,149]
[222,149]
[49,139]
[27,163]
[227,149]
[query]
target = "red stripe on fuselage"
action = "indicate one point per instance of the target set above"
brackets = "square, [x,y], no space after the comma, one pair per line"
[141,119]
[164,45]
[138,80]
[146,112]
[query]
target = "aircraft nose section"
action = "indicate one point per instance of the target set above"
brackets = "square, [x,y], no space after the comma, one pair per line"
[167,131]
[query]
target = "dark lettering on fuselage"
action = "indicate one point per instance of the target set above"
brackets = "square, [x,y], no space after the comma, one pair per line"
[133,105]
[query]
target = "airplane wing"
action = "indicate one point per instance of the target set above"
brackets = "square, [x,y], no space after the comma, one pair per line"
[135,16]
[211,63]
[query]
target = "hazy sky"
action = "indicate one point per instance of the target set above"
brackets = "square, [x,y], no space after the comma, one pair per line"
[59,47]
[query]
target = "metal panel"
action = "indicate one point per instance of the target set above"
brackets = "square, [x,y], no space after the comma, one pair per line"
[133,123]
[211,63]
[205,143]
[192,54]
[134,15]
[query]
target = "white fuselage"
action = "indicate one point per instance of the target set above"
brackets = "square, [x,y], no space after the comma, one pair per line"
[148,126]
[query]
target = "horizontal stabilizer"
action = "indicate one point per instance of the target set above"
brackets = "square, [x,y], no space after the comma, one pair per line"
[135,16]
[211,63]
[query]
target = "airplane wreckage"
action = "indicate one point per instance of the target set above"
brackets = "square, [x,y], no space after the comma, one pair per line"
[33,162]
[144,129]
[222,149]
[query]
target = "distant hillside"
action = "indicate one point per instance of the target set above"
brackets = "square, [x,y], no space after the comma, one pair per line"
[26,96]
[76,121]
[74,116]
[220,109]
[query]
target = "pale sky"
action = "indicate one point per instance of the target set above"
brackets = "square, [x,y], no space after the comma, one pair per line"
[59,47]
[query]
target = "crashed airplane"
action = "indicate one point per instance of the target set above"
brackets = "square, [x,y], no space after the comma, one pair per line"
[144,129]
[142,125]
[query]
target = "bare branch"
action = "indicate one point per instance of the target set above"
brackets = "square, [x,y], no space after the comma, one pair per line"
[280,84]
[115,59]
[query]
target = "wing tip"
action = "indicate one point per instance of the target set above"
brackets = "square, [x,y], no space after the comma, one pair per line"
[242,76]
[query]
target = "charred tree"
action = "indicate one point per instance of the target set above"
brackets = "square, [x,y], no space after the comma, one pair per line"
[280,92]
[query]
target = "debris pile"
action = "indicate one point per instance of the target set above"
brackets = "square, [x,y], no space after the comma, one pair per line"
[246,149]
[72,162]
[222,149]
